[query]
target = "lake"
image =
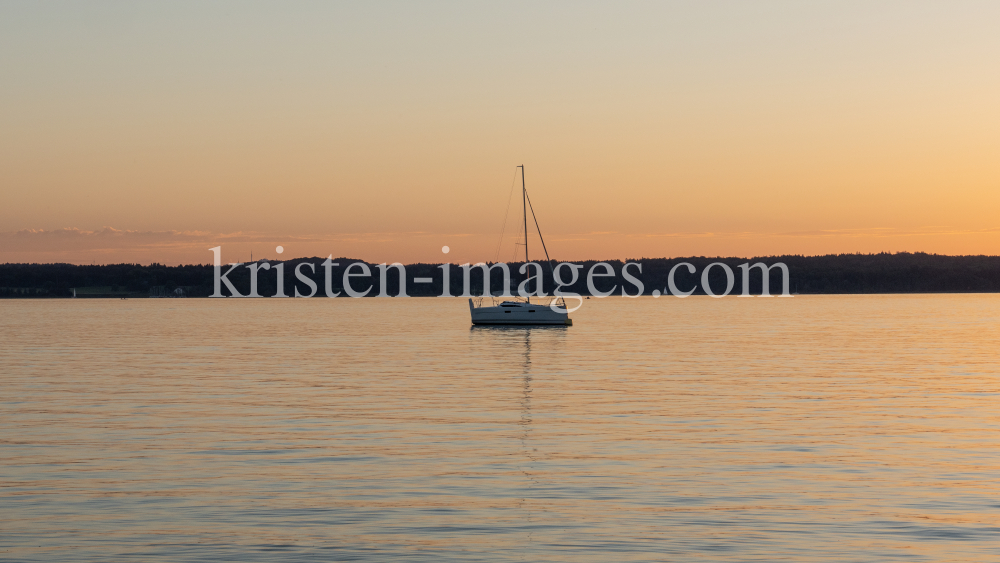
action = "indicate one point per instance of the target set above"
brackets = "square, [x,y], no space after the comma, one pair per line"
[812,428]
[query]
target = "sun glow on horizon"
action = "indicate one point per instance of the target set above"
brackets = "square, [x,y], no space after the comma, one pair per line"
[152,132]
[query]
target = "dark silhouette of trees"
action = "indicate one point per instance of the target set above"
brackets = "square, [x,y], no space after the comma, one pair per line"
[842,273]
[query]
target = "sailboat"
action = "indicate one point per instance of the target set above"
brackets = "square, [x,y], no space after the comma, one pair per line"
[521,311]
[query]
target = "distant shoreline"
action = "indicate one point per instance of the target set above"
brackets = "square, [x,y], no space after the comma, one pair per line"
[644,295]
[849,274]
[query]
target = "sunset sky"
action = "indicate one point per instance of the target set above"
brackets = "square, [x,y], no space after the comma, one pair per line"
[149,132]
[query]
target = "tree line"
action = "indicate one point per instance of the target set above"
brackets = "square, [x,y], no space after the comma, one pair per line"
[841,273]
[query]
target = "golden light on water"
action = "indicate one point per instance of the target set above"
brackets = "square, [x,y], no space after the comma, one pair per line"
[810,428]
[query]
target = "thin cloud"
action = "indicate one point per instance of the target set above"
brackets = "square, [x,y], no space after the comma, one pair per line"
[108,238]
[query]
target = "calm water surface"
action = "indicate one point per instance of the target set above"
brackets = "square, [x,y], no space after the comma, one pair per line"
[817,428]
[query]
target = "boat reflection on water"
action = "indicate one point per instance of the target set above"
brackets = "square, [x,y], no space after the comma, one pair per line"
[530,454]
[511,340]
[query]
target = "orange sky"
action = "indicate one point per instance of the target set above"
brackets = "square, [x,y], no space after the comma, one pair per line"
[151,132]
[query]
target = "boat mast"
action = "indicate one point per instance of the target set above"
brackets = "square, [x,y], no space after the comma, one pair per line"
[524,208]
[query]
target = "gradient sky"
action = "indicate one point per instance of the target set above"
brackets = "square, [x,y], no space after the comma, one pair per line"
[149,132]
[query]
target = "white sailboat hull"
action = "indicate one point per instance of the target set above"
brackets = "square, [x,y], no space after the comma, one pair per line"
[516,313]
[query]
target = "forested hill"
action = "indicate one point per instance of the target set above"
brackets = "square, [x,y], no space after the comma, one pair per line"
[844,273]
